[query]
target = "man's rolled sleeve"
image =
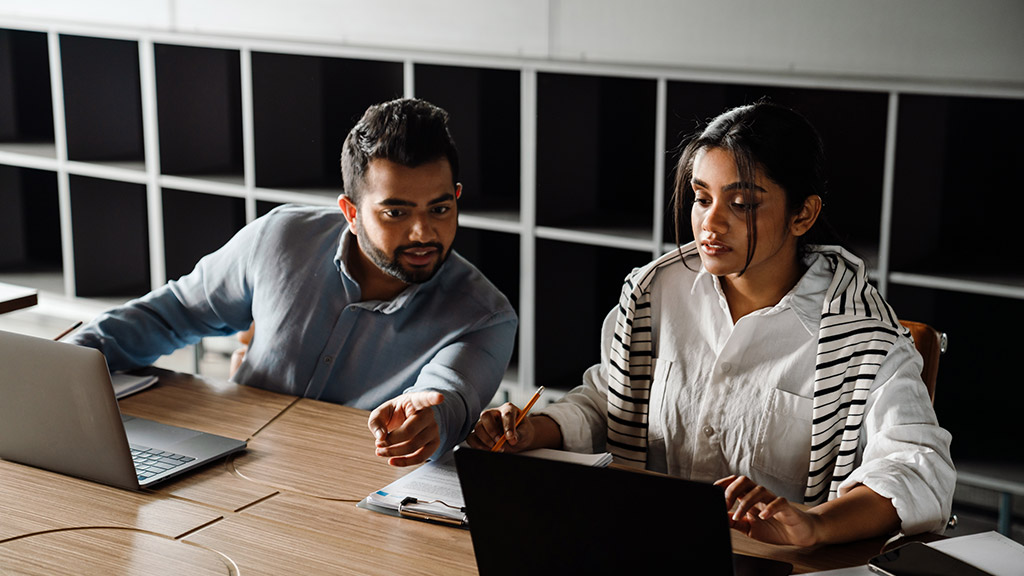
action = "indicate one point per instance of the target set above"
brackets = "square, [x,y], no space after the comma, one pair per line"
[468,373]
[212,300]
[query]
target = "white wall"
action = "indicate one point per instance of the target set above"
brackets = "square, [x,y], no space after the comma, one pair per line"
[960,41]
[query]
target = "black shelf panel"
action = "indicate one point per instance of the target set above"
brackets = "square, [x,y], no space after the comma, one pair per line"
[199,110]
[496,254]
[30,237]
[304,106]
[102,99]
[485,122]
[26,101]
[595,151]
[954,183]
[110,231]
[196,224]
[852,125]
[976,375]
[568,336]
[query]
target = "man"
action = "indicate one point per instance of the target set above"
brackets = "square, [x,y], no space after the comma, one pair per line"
[367,307]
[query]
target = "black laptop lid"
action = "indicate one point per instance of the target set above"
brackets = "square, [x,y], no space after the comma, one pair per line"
[535,516]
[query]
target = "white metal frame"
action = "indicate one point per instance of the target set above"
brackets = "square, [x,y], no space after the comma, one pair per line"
[526,225]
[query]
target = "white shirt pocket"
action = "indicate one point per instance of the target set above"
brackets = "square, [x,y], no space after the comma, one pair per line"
[783,449]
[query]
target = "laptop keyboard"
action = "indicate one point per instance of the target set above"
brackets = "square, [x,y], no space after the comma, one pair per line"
[150,462]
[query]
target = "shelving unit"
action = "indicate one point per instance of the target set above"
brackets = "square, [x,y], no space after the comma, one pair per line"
[199,91]
[129,154]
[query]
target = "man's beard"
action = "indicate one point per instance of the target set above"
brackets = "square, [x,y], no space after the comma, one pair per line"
[390,264]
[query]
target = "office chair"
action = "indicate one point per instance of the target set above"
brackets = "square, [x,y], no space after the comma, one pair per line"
[930,344]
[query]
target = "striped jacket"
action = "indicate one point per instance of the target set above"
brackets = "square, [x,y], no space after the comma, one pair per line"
[858,329]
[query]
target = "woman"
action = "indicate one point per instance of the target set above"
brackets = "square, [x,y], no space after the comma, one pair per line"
[758,360]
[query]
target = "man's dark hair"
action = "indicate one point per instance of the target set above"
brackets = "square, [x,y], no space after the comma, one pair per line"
[406,131]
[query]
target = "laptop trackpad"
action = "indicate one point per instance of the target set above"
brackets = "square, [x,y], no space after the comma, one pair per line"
[152,434]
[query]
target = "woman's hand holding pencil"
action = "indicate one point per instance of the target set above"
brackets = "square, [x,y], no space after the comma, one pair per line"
[507,428]
[511,434]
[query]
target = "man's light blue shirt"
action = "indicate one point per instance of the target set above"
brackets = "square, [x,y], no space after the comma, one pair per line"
[314,337]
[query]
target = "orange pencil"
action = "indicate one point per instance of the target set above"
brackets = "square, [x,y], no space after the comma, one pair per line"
[519,420]
[68,331]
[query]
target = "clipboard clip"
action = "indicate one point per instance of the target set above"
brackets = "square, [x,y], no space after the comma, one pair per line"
[410,507]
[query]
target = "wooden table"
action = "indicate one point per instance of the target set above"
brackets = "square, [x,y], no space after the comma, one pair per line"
[16,297]
[285,505]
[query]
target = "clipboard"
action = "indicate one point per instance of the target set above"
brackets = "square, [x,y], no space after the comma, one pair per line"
[434,511]
[430,493]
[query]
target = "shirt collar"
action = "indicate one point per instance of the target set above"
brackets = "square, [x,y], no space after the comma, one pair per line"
[804,299]
[346,245]
[341,257]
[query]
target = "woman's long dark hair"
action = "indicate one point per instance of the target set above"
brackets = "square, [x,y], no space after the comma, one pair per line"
[775,139]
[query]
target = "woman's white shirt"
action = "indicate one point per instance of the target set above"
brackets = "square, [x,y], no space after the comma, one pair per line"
[737,399]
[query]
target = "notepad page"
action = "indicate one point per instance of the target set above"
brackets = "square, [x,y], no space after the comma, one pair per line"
[989,551]
[127,384]
[597,460]
[436,480]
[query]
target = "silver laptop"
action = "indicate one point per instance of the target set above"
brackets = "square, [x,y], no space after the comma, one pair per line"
[58,412]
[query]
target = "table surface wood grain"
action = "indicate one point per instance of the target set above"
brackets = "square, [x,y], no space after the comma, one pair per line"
[287,503]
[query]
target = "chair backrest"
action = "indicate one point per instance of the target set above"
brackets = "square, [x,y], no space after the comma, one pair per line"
[930,344]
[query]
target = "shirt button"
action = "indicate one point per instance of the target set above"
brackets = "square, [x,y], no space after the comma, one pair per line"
[328,359]
[708,430]
[726,367]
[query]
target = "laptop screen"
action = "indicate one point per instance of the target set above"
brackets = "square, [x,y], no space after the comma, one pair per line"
[530,515]
[59,413]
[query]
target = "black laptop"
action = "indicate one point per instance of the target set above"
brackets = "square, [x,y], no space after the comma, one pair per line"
[536,516]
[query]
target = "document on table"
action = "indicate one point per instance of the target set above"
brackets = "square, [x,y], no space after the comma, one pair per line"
[988,551]
[432,491]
